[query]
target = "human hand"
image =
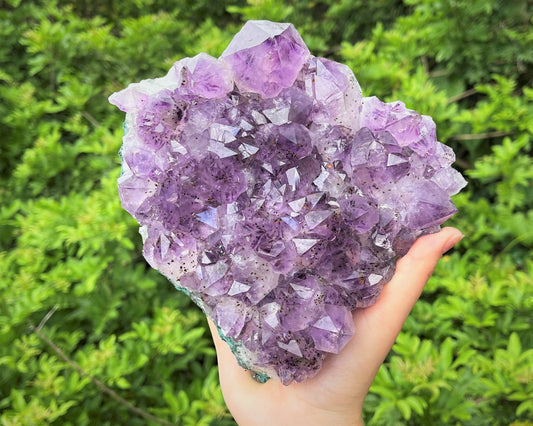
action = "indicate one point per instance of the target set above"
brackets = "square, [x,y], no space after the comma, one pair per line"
[336,394]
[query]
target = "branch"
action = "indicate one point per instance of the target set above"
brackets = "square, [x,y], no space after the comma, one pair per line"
[90,119]
[471,137]
[438,73]
[47,317]
[463,95]
[425,64]
[98,383]
[462,163]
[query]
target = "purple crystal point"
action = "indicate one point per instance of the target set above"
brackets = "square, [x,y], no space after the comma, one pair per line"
[275,195]
[336,91]
[265,57]
[202,76]
[406,126]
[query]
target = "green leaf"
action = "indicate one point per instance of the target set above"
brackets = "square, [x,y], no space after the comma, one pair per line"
[122,383]
[405,408]
[514,347]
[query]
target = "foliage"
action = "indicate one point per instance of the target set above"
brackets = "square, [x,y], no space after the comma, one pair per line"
[70,256]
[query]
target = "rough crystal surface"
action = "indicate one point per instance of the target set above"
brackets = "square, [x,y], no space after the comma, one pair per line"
[275,195]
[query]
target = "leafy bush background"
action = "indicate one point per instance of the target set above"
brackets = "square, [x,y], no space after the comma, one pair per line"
[68,249]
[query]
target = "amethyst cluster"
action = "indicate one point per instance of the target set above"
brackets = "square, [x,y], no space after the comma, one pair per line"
[275,195]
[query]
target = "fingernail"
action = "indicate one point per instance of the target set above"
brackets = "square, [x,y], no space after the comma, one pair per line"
[452,241]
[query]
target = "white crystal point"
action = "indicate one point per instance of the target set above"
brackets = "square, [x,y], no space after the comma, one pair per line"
[394,160]
[212,273]
[209,217]
[253,33]
[291,347]
[297,205]
[450,180]
[315,218]
[304,244]
[326,323]
[237,288]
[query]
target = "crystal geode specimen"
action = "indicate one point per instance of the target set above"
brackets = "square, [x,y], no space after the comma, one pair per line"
[275,195]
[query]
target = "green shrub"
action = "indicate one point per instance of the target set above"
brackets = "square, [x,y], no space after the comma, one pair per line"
[89,333]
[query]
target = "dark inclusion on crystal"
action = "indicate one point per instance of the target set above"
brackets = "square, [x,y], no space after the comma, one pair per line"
[275,195]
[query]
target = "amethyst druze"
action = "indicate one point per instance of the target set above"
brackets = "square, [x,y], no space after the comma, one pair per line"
[275,195]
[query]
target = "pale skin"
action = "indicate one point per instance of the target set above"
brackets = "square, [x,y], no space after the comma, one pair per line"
[336,394]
